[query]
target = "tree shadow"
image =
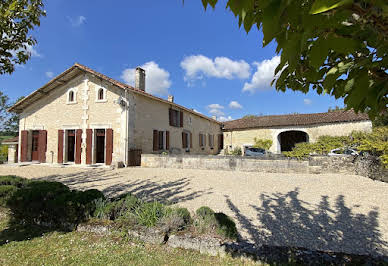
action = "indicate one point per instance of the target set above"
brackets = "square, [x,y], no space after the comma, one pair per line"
[287,221]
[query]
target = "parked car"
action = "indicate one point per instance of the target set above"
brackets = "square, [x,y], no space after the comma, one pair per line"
[339,152]
[250,151]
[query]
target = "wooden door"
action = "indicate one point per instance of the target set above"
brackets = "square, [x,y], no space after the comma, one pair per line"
[35,146]
[100,145]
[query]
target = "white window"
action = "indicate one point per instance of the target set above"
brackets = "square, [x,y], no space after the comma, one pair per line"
[71,96]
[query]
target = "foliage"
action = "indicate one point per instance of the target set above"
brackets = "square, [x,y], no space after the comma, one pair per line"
[207,221]
[9,122]
[13,181]
[117,207]
[29,246]
[6,191]
[3,153]
[226,226]
[337,47]
[17,18]
[150,213]
[248,116]
[262,143]
[204,211]
[236,151]
[375,143]
[51,203]
[381,120]
[176,219]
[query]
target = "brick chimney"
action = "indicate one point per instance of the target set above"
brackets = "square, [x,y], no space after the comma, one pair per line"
[170,98]
[140,79]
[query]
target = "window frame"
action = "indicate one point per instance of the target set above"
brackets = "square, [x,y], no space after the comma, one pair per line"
[69,92]
[104,91]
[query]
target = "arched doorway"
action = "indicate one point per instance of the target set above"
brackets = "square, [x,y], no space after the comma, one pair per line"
[288,139]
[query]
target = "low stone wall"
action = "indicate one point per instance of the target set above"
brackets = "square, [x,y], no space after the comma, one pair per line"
[315,164]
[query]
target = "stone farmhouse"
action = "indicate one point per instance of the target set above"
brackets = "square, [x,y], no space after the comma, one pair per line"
[286,130]
[84,117]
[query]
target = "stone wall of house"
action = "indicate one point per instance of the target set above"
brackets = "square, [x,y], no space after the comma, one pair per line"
[154,115]
[239,138]
[54,112]
[314,165]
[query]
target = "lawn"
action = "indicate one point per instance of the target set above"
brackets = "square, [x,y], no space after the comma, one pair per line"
[33,246]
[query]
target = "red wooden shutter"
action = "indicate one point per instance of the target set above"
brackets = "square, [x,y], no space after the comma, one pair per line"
[156,141]
[204,140]
[170,116]
[42,148]
[109,146]
[183,140]
[78,142]
[89,133]
[181,117]
[60,146]
[24,146]
[200,140]
[191,140]
[167,140]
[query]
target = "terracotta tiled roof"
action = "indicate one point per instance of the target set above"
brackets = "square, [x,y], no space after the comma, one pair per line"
[294,120]
[74,71]
[10,140]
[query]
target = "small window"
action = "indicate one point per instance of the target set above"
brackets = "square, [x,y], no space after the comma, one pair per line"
[101,94]
[71,97]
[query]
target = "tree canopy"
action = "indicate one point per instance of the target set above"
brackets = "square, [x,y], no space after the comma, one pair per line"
[17,18]
[337,47]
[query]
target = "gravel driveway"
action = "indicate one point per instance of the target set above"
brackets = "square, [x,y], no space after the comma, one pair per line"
[343,213]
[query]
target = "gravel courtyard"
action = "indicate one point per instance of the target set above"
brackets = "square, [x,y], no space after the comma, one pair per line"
[345,213]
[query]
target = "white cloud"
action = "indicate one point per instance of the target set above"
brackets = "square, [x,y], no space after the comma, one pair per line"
[215,106]
[215,109]
[235,105]
[198,66]
[49,74]
[157,79]
[78,21]
[263,76]
[224,118]
[307,101]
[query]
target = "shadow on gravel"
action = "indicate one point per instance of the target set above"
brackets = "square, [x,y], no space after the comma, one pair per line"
[287,221]
[166,192]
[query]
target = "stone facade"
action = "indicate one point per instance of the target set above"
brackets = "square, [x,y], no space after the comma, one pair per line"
[132,115]
[245,137]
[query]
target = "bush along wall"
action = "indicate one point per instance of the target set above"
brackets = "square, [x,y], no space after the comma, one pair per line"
[54,205]
[374,144]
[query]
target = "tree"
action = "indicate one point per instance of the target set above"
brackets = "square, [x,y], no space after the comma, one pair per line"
[338,47]
[9,122]
[17,18]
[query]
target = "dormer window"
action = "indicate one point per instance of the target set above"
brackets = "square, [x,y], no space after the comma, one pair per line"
[71,96]
[101,95]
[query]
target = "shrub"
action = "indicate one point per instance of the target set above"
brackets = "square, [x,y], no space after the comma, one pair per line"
[175,219]
[204,212]
[3,153]
[236,151]
[375,143]
[52,203]
[117,207]
[207,221]
[262,143]
[13,181]
[6,191]
[150,213]
[226,226]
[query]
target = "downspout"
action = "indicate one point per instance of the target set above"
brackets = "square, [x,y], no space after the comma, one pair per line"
[126,128]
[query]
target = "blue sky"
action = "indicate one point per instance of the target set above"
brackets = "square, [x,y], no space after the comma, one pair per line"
[202,58]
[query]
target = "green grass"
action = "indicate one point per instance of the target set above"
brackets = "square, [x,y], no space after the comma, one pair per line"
[31,246]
